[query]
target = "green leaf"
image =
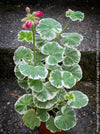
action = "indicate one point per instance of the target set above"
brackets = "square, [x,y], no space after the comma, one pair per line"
[60,105]
[71,39]
[62,78]
[48,93]
[37,72]
[75,15]
[40,58]
[35,85]
[80,100]
[72,56]
[48,28]
[53,67]
[62,95]
[22,54]
[67,120]
[70,96]
[30,119]
[51,126]
[56,79]
[54,52]
[42,114]
[39,42]
[25,35]
[23,84]
[45,105]
[22,103]
[75,70]
[59,112]
[18,74]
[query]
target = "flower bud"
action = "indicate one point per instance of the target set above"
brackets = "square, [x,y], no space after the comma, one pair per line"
[27,9]
[24,26]
[36,22]
[22,20]
[28,24]
[39,13]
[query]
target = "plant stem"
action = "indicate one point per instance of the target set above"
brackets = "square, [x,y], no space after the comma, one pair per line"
[62,30]
[34,44]
[54,112]
[28,51]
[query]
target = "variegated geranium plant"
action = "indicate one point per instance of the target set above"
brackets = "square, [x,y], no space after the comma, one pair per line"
[48,72]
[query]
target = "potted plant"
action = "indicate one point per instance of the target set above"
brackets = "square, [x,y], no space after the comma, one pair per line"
[48,72]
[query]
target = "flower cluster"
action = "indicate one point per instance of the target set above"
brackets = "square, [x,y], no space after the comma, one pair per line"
[31,19]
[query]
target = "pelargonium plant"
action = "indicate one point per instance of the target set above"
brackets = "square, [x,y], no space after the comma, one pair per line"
[48,72]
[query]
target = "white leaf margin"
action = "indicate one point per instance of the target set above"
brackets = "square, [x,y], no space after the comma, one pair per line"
[63,85]
[57,118]
[24,111]
[49,98]
[54,33]
[85,96]
[47,58]
[71,17]
[36,77]
[79,55]
[64,36]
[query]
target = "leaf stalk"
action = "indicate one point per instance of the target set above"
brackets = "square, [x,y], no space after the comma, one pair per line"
[62,30]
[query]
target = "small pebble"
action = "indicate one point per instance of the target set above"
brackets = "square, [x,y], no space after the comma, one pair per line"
[91,121]
[8,103]
[93,113]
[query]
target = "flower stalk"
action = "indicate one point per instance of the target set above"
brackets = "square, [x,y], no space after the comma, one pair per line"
[33,32]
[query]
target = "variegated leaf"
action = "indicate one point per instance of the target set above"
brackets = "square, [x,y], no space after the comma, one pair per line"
[72,56]
[35,85]
[61,79]
[75,70]
[80,100]
[22,54]
[54,53]
[22,103]
[71,39]
[51,126]
[39,42]
[75,15]
[17,73]
[48,93]
[37,72]
[48,28]
[45,105]
[42,114]
[66,120]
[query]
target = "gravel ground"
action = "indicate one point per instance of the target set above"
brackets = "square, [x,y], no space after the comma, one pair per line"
[10,24]
[11,122]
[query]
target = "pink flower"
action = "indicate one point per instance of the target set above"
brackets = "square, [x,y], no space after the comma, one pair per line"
[28,24]
[36,22]
[39,13]
[24,26]
[27,9]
